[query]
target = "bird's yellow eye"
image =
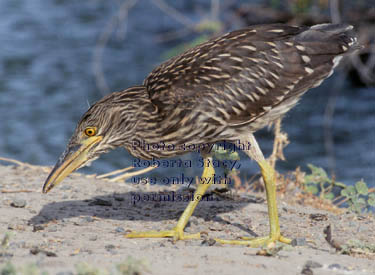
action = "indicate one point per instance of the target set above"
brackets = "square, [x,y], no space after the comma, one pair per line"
[90,131]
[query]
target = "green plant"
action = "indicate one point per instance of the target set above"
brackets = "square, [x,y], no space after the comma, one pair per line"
[86,269]
[358,247]
[359,197]
[222,154]
[132,266]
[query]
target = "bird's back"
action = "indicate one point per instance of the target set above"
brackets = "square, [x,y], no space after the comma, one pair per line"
[246,78]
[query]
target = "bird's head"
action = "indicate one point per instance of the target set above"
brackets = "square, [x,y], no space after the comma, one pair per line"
[106,125]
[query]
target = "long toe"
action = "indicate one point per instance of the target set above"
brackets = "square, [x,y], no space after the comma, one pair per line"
[256,242]
[174,233]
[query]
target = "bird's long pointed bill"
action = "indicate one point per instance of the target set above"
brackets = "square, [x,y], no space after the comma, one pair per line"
[71,160]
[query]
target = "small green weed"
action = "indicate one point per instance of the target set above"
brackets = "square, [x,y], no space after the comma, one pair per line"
[357,246]
[132,266]
[86,269]
[359,197]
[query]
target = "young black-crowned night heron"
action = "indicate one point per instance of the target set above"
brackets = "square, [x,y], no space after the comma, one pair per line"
[222,90]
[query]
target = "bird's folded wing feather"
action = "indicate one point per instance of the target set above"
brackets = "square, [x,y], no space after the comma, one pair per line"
[243,75]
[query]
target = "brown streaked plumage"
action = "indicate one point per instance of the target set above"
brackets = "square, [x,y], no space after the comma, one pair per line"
[224,89]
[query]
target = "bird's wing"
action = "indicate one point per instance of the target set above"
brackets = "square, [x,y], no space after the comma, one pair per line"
[245,74]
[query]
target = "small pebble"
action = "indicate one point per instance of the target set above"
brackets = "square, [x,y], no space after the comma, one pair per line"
[318,217]
[298,242]
[12,226]
[88,219]
[18,203]
[312,264]
[120,230]
[109,247]
[307,271]
[37,250]
[361,217]
[208,242]
[38,228]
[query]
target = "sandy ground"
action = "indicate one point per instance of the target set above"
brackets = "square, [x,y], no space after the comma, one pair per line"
[84,220]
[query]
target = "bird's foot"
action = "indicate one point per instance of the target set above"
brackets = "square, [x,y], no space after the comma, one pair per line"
[175,233]
[256,242]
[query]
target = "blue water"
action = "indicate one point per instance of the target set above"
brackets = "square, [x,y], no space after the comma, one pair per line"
[47,81]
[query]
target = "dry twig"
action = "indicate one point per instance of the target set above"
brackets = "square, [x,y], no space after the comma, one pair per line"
[280,142]
[16,191]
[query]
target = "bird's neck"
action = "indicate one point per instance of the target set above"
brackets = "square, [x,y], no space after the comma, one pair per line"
[145,118]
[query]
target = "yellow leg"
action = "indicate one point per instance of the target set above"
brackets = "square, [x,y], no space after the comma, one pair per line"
[177,233]
[269,177]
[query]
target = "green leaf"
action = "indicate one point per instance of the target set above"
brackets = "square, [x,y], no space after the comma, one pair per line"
[351,191]
[358,205]
[221,154]
[361,188]
[312,189]
[360,201]
[371,199]
[329,196]
[318,173]
[310,179]
[344,192]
